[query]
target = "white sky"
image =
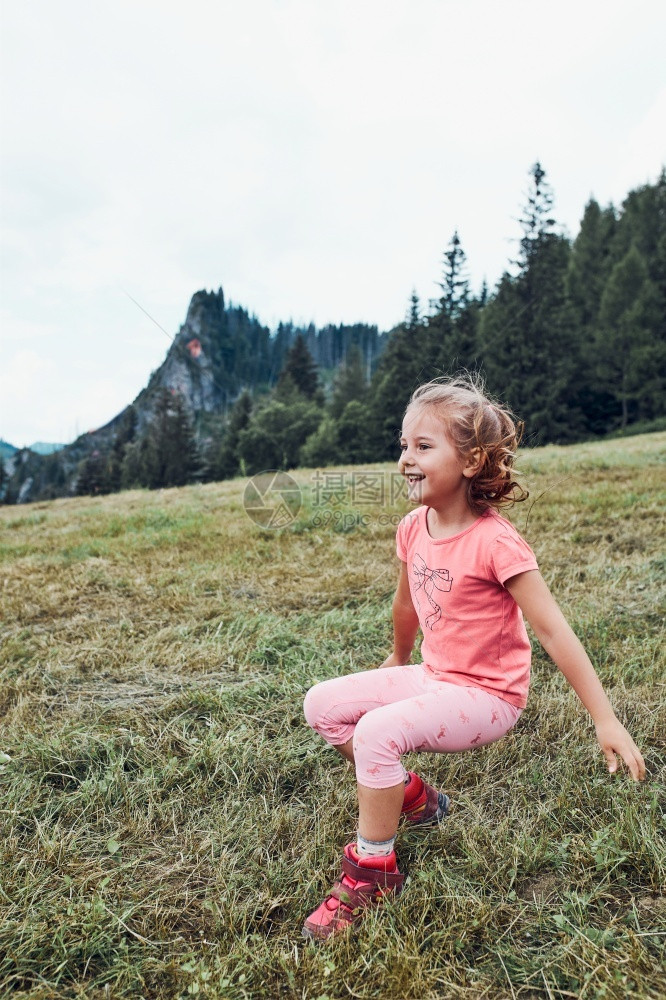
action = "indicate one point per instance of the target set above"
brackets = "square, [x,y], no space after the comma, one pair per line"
[311,158]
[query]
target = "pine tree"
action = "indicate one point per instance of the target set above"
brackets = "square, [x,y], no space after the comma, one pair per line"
[136,465]
[124,436]
[354,444]
[408,359]
[455,283]
[503,350]
[171,456]
[54,479]
[537,221]
[528,341]
[228,461]
[349,382]
[299,371]
[642,224]
[454,324]
[406,362]
[92,480]
[625,344]
[590,262]
[413,319]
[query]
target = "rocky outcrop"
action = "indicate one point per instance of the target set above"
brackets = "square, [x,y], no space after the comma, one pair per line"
[219,351]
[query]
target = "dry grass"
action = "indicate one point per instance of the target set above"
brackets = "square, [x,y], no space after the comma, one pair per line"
[155,652]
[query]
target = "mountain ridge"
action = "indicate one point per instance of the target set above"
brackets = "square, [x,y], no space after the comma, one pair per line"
[219,351]
[38,447]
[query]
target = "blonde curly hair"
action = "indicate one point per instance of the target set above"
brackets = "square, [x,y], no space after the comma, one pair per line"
[477,424]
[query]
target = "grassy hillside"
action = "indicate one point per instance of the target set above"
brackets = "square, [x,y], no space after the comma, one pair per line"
[156,648]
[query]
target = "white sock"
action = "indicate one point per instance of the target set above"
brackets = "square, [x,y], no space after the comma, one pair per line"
[373,848]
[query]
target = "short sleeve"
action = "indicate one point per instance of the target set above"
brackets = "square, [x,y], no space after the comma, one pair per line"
[510,554]
[401,542]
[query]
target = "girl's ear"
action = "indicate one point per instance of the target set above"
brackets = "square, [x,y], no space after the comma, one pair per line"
[473,463]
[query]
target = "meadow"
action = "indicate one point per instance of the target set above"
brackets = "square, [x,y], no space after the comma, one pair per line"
[168,820]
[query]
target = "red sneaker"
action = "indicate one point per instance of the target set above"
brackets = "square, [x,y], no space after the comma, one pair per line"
[423,804]
[363,883]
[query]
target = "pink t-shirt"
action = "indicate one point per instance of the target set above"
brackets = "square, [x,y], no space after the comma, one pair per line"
[473,630]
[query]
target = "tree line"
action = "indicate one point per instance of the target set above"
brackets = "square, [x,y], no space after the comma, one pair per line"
[573,338]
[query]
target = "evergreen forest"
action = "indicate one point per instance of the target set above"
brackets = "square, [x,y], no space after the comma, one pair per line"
[572,338]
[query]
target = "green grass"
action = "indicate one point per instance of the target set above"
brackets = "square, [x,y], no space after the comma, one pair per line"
[168,820]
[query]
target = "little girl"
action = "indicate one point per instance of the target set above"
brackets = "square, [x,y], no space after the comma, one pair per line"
[467,578]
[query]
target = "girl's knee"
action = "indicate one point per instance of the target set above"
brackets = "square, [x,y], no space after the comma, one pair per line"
[321,704]
[312,705]
[329,713]
[331,701]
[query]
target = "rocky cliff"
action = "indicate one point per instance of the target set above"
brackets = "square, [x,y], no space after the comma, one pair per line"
[219,351]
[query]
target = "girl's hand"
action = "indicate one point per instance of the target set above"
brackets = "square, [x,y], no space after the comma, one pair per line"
[532,595]
[392,661]
[613,738]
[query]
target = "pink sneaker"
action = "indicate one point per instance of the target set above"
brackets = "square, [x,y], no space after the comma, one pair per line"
[423,805]
[363,883]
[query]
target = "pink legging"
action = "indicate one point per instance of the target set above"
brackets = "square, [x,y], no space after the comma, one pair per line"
[393,710]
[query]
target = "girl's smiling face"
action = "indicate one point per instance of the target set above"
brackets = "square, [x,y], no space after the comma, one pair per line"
[436,473]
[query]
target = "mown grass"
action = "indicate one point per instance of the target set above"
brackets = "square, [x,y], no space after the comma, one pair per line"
[168,820]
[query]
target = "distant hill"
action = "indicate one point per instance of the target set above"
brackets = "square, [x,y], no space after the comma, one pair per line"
[45,447]
[6,450]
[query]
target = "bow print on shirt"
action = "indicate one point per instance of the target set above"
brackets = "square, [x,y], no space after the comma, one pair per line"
[430,580]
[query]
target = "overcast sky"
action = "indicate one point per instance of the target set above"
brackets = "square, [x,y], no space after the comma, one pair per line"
[312,158]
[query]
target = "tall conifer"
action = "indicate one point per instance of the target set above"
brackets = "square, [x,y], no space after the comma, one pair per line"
[456,321]
[227,462]
[171,456]
[530,351]
[300,369]
[349,382]
[625,340]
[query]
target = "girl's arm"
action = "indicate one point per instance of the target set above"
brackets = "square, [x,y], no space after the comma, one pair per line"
[405,623]
[532,595]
